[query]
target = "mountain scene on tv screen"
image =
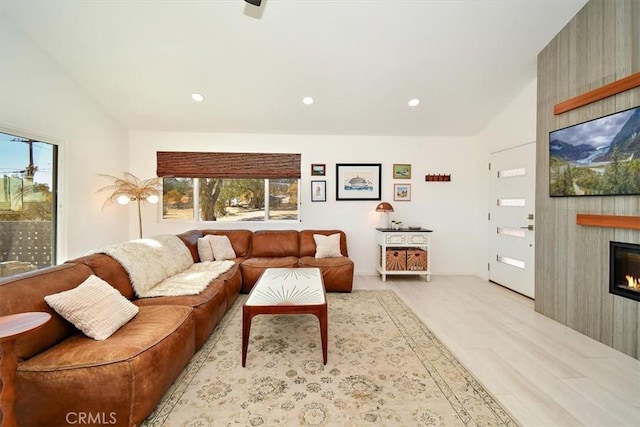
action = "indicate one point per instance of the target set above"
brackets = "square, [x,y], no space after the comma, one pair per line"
[599,157]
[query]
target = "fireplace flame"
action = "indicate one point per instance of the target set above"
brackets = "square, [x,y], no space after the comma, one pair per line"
[633,282]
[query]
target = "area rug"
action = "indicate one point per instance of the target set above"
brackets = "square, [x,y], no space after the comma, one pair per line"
[385,368]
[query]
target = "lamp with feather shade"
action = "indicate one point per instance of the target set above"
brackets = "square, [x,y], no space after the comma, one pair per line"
[131,188]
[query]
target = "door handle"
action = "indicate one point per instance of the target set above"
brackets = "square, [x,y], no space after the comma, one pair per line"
[528,227]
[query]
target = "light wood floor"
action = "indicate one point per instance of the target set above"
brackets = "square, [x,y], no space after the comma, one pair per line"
[544,373]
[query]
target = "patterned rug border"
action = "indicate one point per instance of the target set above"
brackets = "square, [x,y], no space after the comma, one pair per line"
[401,315]
[502,414]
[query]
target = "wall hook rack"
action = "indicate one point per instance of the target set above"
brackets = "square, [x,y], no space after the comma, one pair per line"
[433,177]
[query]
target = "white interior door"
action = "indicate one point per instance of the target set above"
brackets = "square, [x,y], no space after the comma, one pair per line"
[511,218]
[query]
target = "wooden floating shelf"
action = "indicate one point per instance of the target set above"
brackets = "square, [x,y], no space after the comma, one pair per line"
[594,95]
[610,221]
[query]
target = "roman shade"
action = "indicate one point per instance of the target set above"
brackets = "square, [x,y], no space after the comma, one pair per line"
[185,164]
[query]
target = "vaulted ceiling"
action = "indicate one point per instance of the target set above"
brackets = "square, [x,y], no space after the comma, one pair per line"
[361,61]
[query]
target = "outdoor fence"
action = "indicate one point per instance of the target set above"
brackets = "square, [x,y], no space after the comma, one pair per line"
[24,246]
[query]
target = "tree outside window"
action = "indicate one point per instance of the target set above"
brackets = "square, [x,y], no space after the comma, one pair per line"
[230,199]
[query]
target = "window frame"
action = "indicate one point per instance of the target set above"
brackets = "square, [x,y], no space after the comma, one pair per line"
[229,166]
[196,216]
[58,183]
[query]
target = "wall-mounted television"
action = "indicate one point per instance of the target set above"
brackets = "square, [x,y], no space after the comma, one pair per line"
[600,157]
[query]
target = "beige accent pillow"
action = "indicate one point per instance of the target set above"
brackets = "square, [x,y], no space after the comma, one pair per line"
[204,249]
[222,249]
[215,248]
[94,307]
[327,246]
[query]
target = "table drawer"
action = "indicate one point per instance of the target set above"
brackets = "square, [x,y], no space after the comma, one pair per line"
[416,239]
[395,239]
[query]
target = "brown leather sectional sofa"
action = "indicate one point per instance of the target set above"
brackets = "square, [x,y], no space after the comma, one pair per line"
[64,377]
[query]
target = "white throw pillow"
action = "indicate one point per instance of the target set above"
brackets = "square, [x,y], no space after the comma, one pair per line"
[204,249]
[327,246]
[94,307]
[219,248]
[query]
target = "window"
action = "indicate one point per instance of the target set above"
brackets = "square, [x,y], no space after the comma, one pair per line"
[28,182]
[511,202]
[510,173]
[229,186]
[510,261]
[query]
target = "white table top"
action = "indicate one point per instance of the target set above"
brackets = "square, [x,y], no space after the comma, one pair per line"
[288,286]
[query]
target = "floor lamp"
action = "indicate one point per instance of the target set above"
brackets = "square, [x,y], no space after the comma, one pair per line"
[130,189]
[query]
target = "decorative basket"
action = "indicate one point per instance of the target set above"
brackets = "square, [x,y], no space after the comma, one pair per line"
[416,260]
[396,259]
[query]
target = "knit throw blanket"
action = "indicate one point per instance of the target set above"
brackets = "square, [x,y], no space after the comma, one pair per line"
[163,266]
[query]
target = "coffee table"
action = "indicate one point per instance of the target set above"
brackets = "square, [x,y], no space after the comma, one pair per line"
[286,291]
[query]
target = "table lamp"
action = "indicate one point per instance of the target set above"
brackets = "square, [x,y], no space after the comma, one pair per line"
[385,208]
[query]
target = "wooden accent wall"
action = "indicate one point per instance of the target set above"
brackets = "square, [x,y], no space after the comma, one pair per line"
[598,46]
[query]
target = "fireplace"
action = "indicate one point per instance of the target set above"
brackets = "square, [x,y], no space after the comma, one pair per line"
[624,270]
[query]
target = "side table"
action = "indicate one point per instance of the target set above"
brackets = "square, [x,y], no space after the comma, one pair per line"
[11,328]
[403,239]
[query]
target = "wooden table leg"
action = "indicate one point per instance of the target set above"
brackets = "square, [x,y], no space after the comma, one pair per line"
[249,312]
[12,327]
[323,331]
[8,366]
[246,329]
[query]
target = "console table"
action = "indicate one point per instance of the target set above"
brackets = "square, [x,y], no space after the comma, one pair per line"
[402,239]
[12,327]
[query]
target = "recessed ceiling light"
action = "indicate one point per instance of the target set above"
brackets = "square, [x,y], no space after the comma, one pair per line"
[414,102]
[307,100]
[197,97]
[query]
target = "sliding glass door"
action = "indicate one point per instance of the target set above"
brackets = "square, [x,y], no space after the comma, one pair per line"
[28,190]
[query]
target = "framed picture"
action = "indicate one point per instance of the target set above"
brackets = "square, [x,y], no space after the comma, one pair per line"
[318,191]
[402,192]
[401,171]
[318,169]
[358,181]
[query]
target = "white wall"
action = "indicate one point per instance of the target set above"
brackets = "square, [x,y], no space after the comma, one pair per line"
[447,208]
[38,99]
[515,125]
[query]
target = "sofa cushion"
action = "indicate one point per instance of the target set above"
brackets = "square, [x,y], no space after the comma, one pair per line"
[308,243]
[124,376]
[221,246]
[190,240]
[94,307]
[26,292]
[205,251]
[327,246]
[252,268]
[337,273]
[109,270]
[215,248]
[209,306]
[272,243]
[240,240]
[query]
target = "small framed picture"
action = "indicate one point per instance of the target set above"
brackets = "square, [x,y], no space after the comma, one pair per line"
[318,191]
[402,192]
[401,171]
[318,169]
